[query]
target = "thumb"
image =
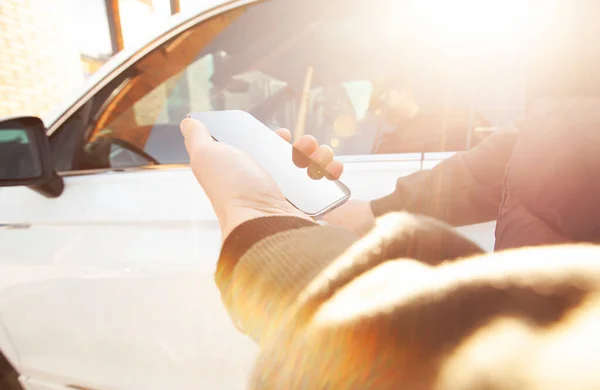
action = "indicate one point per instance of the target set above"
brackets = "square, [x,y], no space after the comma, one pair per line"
[195,134]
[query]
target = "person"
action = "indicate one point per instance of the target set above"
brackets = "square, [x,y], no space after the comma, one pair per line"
[540,183]
[406,126]
[411,305]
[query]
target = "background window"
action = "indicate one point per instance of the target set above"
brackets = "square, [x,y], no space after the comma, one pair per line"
[140,19]
[92,19]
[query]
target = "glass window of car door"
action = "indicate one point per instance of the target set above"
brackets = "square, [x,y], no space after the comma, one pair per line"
[344,71]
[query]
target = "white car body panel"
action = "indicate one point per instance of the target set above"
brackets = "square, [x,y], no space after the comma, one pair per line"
[111,285]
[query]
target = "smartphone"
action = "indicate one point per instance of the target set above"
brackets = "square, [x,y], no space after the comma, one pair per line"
[243,131]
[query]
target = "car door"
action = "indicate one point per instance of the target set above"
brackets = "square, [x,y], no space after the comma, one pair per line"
[110,285]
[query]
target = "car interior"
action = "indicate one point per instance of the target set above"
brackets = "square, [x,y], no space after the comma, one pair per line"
[326,69]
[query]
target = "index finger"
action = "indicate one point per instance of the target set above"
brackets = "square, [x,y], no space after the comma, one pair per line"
[284,133]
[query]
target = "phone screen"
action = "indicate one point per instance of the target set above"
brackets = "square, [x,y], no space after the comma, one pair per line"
[243,131]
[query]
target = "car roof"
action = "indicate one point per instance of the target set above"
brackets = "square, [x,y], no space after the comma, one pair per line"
[163,32]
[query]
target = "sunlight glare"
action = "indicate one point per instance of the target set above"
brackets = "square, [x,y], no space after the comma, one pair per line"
[481,25]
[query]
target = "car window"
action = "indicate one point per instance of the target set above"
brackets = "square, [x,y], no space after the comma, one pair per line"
[363,91]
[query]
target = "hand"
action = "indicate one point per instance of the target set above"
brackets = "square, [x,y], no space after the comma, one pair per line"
[356,216]
[237,187]
[318,159]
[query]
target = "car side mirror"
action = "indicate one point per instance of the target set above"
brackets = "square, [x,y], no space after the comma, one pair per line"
[25,158]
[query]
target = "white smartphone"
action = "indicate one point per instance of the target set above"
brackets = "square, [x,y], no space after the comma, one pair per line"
[243,131]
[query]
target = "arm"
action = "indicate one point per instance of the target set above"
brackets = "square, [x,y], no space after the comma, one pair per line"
[266,262]
[269,267]
[387,311]
[462,190]
[375,318]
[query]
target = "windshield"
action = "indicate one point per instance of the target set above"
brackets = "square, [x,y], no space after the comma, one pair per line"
[363,77]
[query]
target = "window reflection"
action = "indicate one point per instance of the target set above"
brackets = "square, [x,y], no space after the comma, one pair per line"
[369,93]
[19,157]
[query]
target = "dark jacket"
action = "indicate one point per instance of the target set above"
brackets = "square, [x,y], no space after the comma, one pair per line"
[541,183]
[400,309]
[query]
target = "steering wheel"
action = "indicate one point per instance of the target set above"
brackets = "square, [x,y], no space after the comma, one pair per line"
[129,147]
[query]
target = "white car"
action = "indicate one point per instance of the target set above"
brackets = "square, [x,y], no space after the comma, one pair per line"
[109,247]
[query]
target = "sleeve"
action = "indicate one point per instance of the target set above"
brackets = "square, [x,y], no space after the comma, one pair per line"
[273,272]
[266,262]
[493,321]
[462,190]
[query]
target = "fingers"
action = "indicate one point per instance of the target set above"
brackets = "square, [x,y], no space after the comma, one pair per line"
[334,170]
[303,148]
[195,134]
[319,161]
[322,164]
[285,134]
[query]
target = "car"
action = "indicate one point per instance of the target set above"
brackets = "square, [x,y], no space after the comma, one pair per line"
[109,245]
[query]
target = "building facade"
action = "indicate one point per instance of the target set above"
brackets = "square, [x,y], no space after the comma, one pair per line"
[48,48]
